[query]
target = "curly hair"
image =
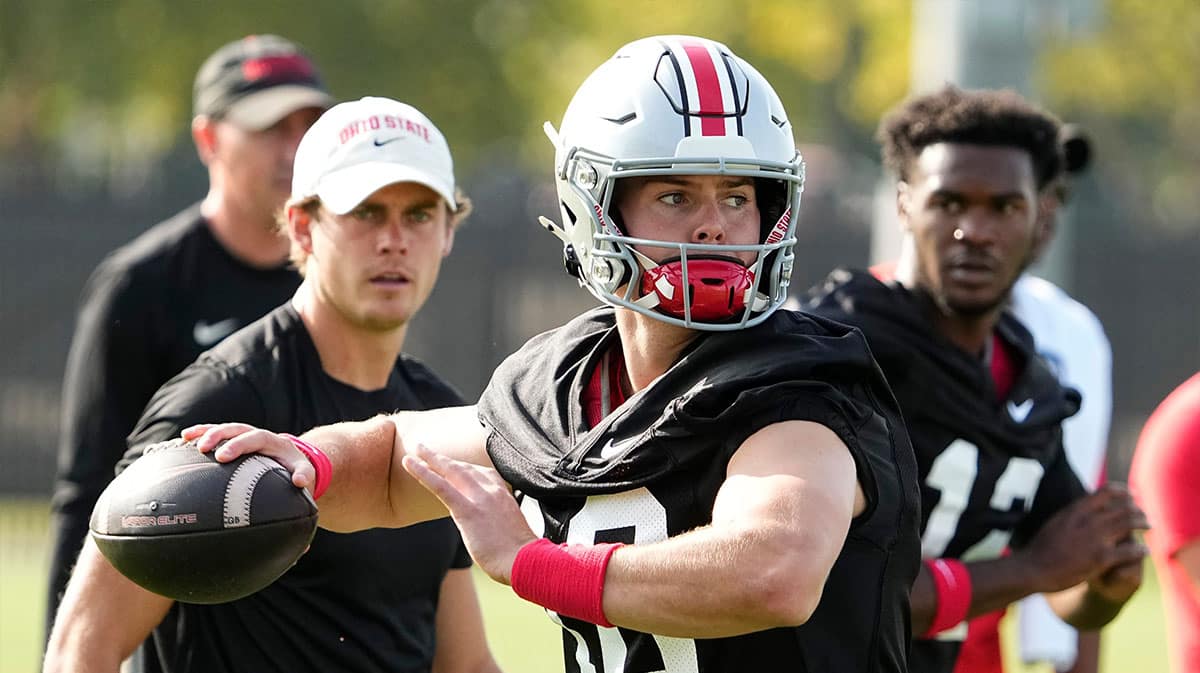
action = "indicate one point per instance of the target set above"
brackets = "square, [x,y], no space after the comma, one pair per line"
[982,117]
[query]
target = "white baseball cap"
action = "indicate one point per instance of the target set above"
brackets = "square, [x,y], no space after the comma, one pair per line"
[359,147]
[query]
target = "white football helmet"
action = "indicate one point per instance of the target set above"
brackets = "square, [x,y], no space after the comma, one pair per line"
[677,105]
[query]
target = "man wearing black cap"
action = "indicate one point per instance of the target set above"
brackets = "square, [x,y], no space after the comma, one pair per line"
[155,304]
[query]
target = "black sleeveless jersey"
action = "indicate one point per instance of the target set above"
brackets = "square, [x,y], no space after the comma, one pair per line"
[652,469]
[361,602]
[992,471]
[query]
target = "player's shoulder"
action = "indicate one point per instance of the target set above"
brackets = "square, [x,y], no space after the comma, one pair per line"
[1174,426]
[856,297]
[272,341]
[568,342]
[790,337]
[155,246]
[140,264]
[1038,302]
[427,384]
[842,290]
[1164,462]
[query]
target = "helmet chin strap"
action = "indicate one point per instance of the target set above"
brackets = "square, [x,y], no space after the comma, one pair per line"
[649,300]
[724,289]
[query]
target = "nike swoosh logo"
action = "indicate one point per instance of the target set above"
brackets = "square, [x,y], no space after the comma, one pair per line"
[389,140]
[207,334]
[1020,412]
[612,448]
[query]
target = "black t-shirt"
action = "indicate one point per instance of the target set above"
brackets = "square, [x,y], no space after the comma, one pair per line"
[992,470]
[361,602]
[148,310]
[652,468]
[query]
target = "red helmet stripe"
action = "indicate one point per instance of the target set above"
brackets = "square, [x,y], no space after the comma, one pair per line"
[708,89]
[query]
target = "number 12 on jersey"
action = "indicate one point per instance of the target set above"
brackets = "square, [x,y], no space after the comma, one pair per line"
[953,474]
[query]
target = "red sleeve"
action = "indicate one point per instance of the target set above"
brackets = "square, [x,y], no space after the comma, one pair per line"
[1166,469]
[884,272]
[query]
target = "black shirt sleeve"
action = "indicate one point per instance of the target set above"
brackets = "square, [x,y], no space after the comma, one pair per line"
[205,392]
[462,559]
[111,372]
[1059,488]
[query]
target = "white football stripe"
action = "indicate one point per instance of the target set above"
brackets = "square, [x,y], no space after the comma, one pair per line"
[692,101]
[240,490]
[722,77]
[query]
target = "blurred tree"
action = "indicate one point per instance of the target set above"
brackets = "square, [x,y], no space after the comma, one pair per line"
[1133,84]
[104,87]
[101,91]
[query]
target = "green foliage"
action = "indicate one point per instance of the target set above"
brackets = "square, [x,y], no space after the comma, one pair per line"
[102,85]
[111,81]
[1133,84]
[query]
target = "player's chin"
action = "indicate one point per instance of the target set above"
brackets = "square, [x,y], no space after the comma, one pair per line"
[975,303]
[385,318]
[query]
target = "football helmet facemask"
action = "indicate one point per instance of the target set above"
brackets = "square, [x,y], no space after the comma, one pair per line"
[677,105]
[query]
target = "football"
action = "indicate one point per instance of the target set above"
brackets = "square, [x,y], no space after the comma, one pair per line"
[184,526]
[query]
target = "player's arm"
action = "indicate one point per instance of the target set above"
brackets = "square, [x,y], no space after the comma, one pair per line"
[779,522]
[1188,557]
[102,619]
[109,376]
[1084,556]
[368,486]
[461,641]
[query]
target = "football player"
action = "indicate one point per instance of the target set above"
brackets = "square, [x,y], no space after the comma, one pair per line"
[1071,338]
[983,409]
[702,483]
[1163,477]
[370,247]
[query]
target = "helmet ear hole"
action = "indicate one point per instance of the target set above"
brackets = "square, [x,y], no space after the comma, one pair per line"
[772,196]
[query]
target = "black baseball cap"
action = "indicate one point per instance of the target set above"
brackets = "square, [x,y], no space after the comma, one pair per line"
[256,81]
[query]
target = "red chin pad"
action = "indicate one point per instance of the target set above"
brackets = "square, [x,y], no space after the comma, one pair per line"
[718,287]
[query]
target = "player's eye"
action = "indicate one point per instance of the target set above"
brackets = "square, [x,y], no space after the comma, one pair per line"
[672,199]
[1012,207]
[737,200]
[369,213]
[421,216]
[949,206]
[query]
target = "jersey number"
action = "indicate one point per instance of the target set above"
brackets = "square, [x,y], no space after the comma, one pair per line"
[634,515]
[953,475]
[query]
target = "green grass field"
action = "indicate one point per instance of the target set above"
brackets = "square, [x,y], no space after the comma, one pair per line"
[521,636]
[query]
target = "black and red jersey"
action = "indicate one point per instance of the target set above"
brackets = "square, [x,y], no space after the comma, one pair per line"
[991,466]
[652,467]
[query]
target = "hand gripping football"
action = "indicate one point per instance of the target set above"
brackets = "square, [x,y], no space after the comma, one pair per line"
[184,526]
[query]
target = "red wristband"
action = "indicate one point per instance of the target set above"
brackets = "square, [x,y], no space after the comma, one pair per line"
[952,582]
[568,579]
[320,463]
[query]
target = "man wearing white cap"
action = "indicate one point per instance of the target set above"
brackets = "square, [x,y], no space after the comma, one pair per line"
[371,217]
[156,303]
